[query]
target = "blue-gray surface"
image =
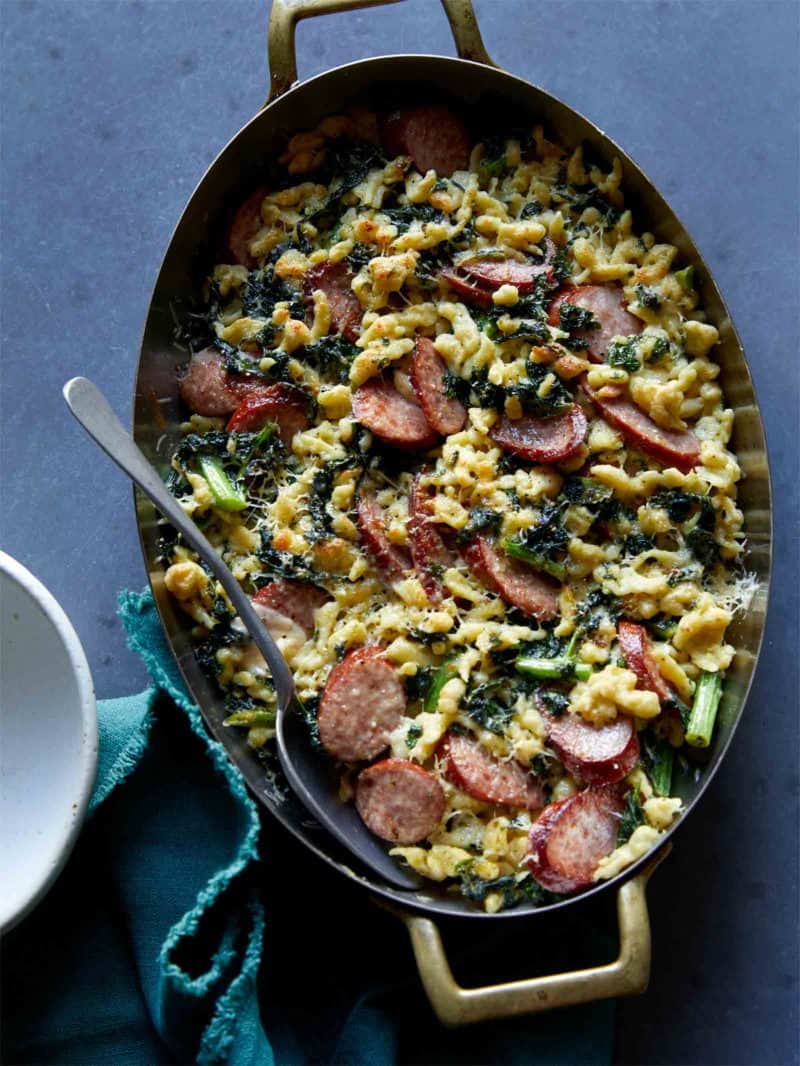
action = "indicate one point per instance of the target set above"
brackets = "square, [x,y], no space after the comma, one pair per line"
[113,110]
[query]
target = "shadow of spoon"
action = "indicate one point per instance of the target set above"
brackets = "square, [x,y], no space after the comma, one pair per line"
[308,772]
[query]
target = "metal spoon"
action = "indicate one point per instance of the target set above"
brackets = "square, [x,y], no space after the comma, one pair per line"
[309,773]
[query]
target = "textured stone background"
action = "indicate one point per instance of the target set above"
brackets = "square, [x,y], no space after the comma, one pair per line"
[111,113]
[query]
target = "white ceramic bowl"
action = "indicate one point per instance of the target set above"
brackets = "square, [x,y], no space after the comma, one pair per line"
[48,740]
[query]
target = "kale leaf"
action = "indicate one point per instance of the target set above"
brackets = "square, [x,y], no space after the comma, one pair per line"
[571,316]
[632,817]
[481,519]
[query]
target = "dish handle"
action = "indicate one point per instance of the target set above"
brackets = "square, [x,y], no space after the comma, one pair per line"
[627,975]
[285,15]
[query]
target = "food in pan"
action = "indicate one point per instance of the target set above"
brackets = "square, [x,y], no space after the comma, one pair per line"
[456,428]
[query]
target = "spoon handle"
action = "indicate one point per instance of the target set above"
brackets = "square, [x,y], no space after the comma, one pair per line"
[94,413]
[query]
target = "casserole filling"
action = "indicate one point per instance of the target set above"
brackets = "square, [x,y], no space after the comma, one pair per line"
[456,428]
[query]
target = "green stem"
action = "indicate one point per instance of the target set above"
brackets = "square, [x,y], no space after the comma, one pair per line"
[661,771]
[443,674]
[539,562]
[251,718]
[553,669]
[707,695]
[685,277]
[226,494]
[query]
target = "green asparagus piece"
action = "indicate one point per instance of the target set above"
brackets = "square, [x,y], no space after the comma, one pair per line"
[443,674]
[707,694]
[553,669]
[539,562]
[251,717]
[685,277]
[661,770]
[226,494]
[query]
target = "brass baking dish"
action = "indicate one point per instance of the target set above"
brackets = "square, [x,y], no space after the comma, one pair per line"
[293,106]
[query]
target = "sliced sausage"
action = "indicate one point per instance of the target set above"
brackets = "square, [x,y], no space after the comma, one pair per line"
[634,641]
[569,838]
[679,448]
[474,770]
[297,600]
[391,416]
[542,440]
[245,225]
[472,292]
[334,279]
[429,553]
[533,593]
[492,273]
[434,137]
[607,304]
[362,704]
[596,755]
[392,560]
[205,388]
[428,376]
[399,801]
[283,404]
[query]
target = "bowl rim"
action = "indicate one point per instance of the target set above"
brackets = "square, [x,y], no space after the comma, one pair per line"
[65,631]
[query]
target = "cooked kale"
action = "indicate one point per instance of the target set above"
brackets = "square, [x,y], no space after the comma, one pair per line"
[319,496]
[481,519]
[413,733]
[456,388]
[491,705]
[548,537]
[580,199]
[571,316]
[332,356]
[284,564]
[530,210]
[561,266]
[418,684]
[554,701]
[486,394]
[350,162]
[359,257]
[648,297]
[624,354]
[636,543]
[703,546]
[557,399]
[512,890]
[309,709]
[586,491]
[632,817]
[263,290]
[404,216]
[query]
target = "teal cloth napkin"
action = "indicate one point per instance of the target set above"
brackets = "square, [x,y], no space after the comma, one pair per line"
[185,928]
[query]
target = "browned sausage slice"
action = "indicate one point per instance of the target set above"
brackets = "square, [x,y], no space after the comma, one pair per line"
[607,304]
[334,280]
[392,560]
[362,704]
[434,137]
[296,600]
[569,838]
[245,225]
[596,755]
[471,292]
[478,773]
[492,273]
[535,594]
[399,801]
[429,553]
[638,651]
[542,440]
[205,386]
[389,415]
[679,448]
[428,378]
[283,404]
